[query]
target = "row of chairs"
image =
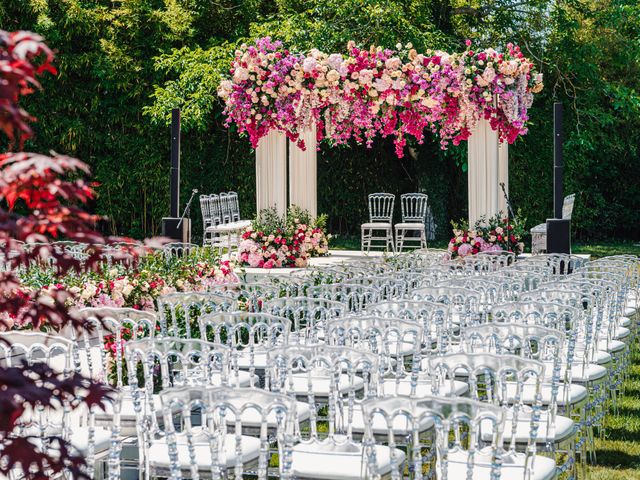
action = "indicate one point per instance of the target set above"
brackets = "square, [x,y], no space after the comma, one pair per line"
[221,220]
[378,231]
[409,368]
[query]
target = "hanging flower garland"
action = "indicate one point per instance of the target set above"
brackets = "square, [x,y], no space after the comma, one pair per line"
[378,92]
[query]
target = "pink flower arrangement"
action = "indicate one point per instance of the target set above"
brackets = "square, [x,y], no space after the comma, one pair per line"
[493,235]
[377,92]
[283,242]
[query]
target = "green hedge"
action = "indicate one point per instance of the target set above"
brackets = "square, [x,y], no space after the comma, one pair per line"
[123,66]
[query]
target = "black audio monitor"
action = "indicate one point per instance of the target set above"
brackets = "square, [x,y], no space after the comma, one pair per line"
[558,235]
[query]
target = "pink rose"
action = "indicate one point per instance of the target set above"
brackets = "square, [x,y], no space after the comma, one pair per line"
[269,264]
[464,250]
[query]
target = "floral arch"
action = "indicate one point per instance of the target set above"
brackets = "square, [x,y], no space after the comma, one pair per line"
[482,96]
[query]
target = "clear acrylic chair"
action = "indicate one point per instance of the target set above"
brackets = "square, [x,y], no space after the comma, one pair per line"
[459,449]
[434,318]
[251,335]
[221,432]
[175,250]
[47,422]
[491,379]
[207,219]
[334,379]
[354,296]
[414,212]
[308,316]
[178,313]
[546,345]
[380,220]
[156,364]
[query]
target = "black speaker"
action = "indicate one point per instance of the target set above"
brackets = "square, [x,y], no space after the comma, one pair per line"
[180,232]
[558,235]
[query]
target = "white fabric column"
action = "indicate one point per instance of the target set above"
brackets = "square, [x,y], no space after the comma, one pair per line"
[484,172]
[271,172]
[303,173]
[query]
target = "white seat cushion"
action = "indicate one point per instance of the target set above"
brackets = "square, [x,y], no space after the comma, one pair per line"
[625,322]
[541,228]
[564,428]
[321,384]
[513,466]
[577,393]
[252,418]
[410,226]
[329,460]
[80,439]
[391,386]
[376,225]
[401,425]
[159,451]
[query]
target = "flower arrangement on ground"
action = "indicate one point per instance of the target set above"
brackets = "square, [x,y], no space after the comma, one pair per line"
[496,234]
[121,286]
[274,241]
[377,91]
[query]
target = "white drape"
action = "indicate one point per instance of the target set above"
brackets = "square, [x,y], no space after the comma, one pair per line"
[271,172]
[488,166]
[303,183]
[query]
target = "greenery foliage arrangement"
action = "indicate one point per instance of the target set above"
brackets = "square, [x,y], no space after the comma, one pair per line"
[123,65]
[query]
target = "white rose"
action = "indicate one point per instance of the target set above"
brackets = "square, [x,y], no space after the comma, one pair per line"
[126,291]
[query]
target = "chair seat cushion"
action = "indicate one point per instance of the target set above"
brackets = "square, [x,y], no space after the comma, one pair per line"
[513,466]
[320,384]
[252,418]
[80,440]
[376,225]
[564,429]
[541,228]
[338,460]
[159,451]
[391,386]
[576,394]
[401,425]
[410,226]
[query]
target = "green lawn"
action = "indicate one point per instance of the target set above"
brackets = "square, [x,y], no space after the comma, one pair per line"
[618,453]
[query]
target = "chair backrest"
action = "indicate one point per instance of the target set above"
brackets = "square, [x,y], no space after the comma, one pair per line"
[225,207]
[178,313]
[381,207]
[225,415]
[113,327]
[354,295]
[434,318]
[308,315]
[234,206]
[567,206]
[397,342]
[414,207]
[215,210]
[205,210]
[325,375]
[459,425]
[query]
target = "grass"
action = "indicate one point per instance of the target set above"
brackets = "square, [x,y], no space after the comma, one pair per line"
[618,452]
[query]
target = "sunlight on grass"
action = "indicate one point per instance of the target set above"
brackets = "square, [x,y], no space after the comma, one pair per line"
[618,453]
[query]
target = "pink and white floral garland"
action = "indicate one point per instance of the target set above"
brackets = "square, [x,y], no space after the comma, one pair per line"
[378,92]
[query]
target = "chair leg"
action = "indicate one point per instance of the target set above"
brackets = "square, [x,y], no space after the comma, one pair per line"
[399,240]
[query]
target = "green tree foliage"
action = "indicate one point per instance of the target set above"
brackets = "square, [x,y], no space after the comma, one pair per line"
[124,64]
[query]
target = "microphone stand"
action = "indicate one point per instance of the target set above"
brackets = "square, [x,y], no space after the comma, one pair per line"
[186,212]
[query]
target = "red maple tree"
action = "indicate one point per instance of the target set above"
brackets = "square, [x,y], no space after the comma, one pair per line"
[52,191]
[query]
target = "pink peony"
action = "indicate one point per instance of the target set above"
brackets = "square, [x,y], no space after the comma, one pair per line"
[464,250]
